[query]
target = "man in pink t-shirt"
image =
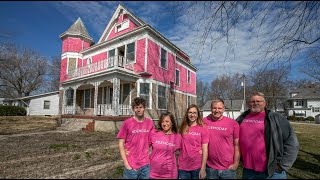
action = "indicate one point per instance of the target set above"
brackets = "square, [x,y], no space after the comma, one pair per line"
[223,147]
[134,142]
[268,144]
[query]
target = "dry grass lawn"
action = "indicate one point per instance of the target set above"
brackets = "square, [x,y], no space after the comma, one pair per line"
[44,153]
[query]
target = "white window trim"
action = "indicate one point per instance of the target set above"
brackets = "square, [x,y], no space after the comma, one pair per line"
[125,22]
[165,91]
[150,90]
[178,85]
[44,103]
[68,58]
[166,68]
[188,76]
[135,50]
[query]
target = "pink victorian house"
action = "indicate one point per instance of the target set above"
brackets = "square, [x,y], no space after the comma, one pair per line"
[130,59]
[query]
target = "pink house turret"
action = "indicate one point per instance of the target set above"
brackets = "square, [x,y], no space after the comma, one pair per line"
[74,40]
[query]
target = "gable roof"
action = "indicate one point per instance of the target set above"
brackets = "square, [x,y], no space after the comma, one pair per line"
[234,104]
[77,29]
[32,96]
[115,16]
[307,93]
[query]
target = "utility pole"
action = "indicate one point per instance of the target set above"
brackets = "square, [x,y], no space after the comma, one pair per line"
[243,83]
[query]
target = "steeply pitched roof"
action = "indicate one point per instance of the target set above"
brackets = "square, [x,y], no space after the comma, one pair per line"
[120,8]
[77,29]
[234,104]
[307,93]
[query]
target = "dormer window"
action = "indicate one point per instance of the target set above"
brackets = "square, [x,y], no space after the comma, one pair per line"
[122,26]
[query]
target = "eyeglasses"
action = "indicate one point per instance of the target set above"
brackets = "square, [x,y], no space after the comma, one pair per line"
[192,112]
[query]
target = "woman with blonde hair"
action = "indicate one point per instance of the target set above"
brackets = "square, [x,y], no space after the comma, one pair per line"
[194,148]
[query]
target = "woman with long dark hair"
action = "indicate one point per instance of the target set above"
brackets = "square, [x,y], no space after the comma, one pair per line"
[194,148]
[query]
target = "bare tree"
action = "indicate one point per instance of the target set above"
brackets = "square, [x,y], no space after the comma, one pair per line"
[226,87]
[22,71]
[312,66]
[202,92]
[272,83]
[282,28]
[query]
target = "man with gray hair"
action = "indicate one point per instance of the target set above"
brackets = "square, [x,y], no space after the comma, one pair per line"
[268,144]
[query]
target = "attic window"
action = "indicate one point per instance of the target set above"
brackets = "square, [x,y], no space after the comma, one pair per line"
[122,26]
[89,60]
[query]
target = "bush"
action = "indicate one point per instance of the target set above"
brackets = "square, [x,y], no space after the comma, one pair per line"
[12,111]
[310,118]
[292,118]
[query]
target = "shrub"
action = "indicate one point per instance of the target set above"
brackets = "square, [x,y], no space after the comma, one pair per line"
[292,118]
[12,111]
[310,118]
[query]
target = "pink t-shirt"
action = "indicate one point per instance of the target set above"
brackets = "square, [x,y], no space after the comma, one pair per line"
[190,158]
[222,134]
[163,163]
[136,139]
[252,142]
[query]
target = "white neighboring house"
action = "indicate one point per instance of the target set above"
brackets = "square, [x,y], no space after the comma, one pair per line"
[40,104]
[233,108]
[304,102]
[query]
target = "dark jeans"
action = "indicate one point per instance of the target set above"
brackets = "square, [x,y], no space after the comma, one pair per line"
[141,173]
[251,174]
[220,174]
[188,174]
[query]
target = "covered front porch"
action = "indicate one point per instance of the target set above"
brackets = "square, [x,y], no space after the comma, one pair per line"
[100,96]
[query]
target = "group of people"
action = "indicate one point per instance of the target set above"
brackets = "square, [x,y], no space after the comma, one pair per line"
[209,147]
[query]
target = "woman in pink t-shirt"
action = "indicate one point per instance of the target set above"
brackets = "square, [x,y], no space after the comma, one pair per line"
[194,149]
[164,143]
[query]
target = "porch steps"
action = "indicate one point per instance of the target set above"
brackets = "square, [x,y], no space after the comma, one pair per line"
[72,124]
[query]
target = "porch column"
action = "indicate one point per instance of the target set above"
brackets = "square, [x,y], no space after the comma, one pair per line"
[64,98]
[95,104]
[116,95]
[74,99]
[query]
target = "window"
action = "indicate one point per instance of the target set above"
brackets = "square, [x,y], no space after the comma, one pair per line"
[125,94]
[87,98]
[145,92]
[316,109]
[162,100]
[122,26]
[89,60]
[71,65]
[130,51]
[163,60]
[46,105]
[188,101]
[69,96]
[188,76]
[111,55]
[177,77]
[299,102]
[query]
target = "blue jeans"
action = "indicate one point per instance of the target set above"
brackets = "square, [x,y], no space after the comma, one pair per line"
[182,174]
[220,174]
[251,174]
[141,173]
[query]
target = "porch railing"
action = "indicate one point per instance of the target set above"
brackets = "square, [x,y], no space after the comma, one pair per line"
[102,110]
[109,63]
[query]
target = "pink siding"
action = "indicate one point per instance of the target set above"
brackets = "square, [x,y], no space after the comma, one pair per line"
[95,58]
[153,66]
[71,45]
[184,86]
[63,70]
[113,34]
[140,52]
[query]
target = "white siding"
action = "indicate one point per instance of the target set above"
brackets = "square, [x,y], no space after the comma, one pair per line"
[37,105]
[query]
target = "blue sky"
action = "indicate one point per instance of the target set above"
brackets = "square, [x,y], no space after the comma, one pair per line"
[37,25]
